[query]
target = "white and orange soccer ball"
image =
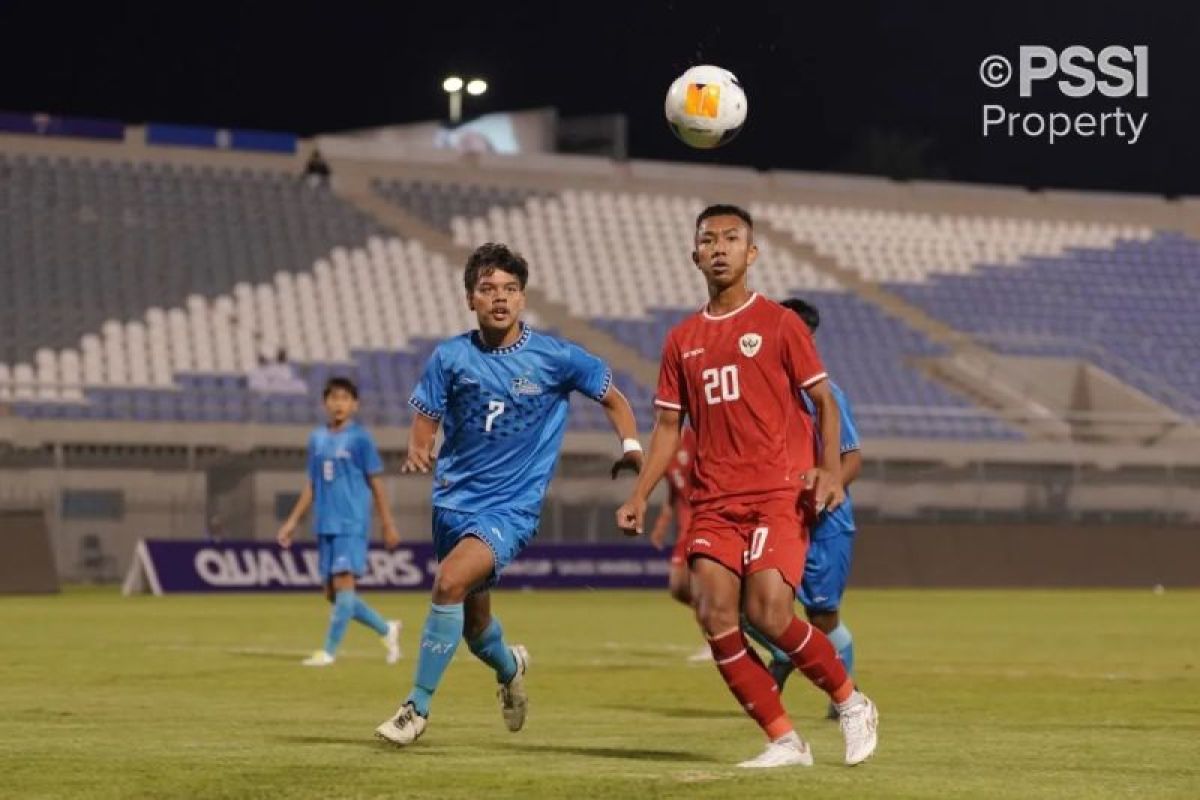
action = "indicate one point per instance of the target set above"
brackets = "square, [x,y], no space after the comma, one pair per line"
[706,107]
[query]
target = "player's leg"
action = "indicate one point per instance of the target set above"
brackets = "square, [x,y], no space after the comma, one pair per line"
[389,631]
[679,585]
[817,587]
[485,638]
[716,590]
[467,565]
[823,596]
[678,579]
[830,623]
[334,565]
[775,564]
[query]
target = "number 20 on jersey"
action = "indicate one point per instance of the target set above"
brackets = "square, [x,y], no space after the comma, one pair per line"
[721,384]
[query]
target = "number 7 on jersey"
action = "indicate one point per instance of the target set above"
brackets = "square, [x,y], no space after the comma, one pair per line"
[495,409]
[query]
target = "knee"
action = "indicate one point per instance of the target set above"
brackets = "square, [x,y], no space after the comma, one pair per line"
[344,602]
[716,618]
[449,587]
[680,587]
[824,621]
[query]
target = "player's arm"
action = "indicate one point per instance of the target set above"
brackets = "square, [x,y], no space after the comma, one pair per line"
[620,416]
[288,528]
[421,438]
[372,466]
[391,536]
[664,442]
[851,447]
[827,482]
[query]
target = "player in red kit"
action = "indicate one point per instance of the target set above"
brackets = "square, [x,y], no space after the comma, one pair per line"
[678,510]
[734,370]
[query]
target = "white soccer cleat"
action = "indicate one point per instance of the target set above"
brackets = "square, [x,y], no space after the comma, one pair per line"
[514,703]
[859,725]
[391,641]
[404,728]
[703,655]
[789,751]
[319,659]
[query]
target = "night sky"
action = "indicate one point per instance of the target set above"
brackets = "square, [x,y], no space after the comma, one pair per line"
[883,88]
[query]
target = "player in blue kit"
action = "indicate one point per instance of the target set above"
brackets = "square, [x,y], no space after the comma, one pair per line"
[827,566]
[501,396]
[344,472]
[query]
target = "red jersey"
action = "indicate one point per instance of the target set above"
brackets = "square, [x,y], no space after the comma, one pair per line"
[735,376]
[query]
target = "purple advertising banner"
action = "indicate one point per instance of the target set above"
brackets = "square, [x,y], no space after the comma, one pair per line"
[51,125]
[163,566]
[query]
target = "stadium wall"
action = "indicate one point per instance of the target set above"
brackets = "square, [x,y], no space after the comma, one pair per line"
[1026,555]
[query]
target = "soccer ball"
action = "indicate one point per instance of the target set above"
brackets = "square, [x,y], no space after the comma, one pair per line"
[706,107]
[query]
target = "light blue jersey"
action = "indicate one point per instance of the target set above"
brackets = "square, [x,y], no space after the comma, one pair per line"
[503,413]
[340,464]
[841,519]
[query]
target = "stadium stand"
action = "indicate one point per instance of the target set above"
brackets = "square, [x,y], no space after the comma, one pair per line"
[260,262]
[152,291]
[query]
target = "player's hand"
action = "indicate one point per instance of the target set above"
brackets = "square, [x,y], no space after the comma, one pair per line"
[631,517]
[284,537]
[418,461]
[658,535]
[391,536]
[825,488]
[631,461]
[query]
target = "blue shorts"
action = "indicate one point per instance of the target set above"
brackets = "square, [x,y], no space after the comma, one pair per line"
[826,571]
[504,531]
[340,554]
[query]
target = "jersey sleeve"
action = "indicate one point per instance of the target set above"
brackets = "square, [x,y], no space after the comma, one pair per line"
[585,373]
[429,395]
[799,353]
[669,393]
[368,455]
[850,441]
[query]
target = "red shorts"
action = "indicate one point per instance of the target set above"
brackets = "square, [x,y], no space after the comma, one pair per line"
[683,525]
[751,537]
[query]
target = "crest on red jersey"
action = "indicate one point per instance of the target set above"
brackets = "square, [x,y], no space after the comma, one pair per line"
[749,343]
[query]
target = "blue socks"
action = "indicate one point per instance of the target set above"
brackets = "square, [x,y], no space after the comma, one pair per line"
[439,640]
[339,617]
[369,617]
[347,605]
[843,642]
[491,649]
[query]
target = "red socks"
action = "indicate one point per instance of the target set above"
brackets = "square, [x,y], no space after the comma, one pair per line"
[751,682]
[814,656]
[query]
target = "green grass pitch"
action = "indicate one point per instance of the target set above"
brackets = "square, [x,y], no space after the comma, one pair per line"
[1013,694]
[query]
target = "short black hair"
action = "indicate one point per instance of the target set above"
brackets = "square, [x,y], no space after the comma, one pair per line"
[340,382]
[806,311]
[490,257]
[725,210]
